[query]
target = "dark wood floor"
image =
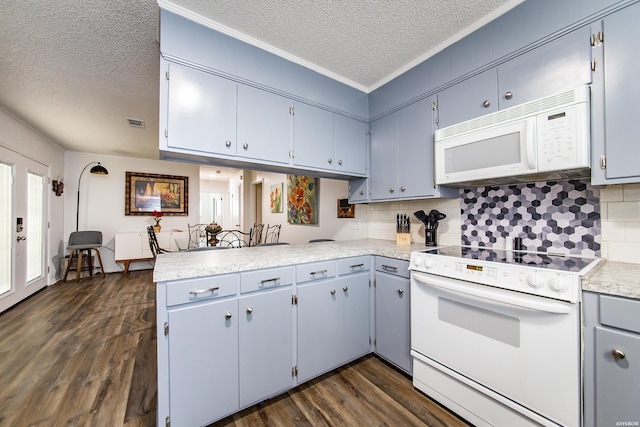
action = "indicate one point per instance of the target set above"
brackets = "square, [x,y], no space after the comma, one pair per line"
[82,353]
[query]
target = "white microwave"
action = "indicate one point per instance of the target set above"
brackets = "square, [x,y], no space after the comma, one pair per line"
[546,139]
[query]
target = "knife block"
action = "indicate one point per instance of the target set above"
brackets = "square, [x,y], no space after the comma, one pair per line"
[403,239]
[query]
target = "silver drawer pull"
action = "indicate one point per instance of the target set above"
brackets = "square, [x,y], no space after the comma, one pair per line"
[345,289]
[249,310]
[400,291]
[227,316]
[202,291]
[389,268]
[275,279]
[618,354]
[356,266]
[333,291]
[313,273]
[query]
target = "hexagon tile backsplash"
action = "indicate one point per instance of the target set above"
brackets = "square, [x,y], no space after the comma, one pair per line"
[551,216]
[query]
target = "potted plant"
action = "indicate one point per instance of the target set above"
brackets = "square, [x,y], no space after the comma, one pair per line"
[157,216]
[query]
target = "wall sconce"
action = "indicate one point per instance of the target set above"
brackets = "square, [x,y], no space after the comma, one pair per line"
[57,187]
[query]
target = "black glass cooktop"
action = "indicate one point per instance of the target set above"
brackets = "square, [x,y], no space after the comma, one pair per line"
[533,259]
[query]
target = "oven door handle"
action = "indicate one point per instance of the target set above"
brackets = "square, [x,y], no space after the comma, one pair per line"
[492,294]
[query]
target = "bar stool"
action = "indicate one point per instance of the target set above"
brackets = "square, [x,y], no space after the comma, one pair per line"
[80,241]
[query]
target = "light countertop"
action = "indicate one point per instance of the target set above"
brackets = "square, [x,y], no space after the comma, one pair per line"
[614,278]
[183,265]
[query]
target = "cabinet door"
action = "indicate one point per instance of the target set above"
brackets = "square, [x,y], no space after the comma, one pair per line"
[393,328]
[617,382]
[203,362]
[349,145]
[353,317]
[317,328]
[384,157]
[266,344]
[359,190]
[130,246]
[469,99]
[560,65]
[201,111]
[312,137]
[263,125]
[622,96]
[415,151]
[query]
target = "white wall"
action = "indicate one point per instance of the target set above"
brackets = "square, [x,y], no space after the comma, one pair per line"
[17,136]
[102,199]
[329,225]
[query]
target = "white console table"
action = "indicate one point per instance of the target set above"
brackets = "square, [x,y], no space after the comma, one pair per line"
[132,247]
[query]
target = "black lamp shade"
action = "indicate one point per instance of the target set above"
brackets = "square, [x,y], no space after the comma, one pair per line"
[99,170]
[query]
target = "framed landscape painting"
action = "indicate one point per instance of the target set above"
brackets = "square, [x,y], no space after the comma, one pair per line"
[147,192]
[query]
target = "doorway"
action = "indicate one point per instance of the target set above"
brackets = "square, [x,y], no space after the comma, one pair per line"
[23,227]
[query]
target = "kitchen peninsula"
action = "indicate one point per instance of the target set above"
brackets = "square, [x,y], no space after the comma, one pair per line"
[238,326]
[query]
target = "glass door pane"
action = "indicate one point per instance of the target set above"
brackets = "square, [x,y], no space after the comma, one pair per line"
[35,224]
[6,234]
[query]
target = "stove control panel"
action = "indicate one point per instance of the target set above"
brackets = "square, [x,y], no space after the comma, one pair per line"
[521,278]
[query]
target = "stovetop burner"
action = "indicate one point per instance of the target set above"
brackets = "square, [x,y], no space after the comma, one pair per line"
[533,259]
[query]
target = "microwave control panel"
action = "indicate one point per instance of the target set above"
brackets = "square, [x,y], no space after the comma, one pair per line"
[563,138]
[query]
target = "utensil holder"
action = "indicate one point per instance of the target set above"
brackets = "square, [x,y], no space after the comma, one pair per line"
[430,237]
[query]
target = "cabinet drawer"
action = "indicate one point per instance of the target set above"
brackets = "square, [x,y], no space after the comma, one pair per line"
[620,313]
[265,279]
[353,265]
[398,267]
[203,288]
[315,271]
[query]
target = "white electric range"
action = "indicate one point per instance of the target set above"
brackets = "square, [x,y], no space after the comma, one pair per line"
[495,334]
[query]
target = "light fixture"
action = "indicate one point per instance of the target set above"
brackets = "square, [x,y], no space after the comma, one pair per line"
[98,169]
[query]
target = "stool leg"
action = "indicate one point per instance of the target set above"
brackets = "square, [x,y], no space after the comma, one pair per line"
[90,262]
[66,272]
[79,266]
[100,261]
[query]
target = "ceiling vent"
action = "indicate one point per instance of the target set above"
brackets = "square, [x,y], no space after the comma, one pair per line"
[136,123]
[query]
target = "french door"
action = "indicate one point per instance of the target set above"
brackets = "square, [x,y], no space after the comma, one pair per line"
[23,227]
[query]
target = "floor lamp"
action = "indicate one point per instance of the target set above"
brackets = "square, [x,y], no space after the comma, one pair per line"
[98,169]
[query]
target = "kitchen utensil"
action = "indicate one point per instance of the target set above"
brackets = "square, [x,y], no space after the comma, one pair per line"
[422,216]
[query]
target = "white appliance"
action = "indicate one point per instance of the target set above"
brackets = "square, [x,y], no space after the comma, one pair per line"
[495,334]
[540,140]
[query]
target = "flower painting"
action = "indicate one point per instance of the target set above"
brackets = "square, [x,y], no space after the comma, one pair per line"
[302,199]
[275,198]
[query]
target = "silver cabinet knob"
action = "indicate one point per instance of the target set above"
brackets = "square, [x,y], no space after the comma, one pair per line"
[227,316]
[330,161]
[333,291]
[19,238]
[486,103]
[340,162]
[618,354]
[345,289]
[249,310]
[508,95]
[400,291]
[391,190]
[362,192]
[403,188]
[228,143]
[245,145]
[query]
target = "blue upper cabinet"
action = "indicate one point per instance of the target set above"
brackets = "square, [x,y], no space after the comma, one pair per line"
[323,140]
[616,100]
[264,125]
[200,111]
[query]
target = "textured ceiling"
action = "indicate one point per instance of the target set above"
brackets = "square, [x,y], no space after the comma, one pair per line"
[76,69]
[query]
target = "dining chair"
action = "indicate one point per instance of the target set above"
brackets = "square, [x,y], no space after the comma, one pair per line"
[79,242]
[272,234]
[153,243]
[256,239]
[197,236]
[234,238]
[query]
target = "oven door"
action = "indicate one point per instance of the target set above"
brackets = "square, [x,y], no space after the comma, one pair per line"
[521,348]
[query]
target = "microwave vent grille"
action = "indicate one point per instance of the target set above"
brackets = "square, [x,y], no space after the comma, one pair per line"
[515,113]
